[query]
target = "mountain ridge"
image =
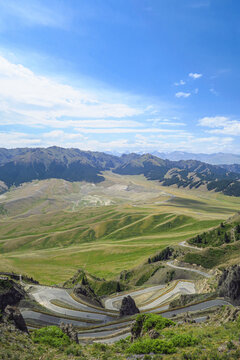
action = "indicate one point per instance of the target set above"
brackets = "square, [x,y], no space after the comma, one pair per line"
[26,164]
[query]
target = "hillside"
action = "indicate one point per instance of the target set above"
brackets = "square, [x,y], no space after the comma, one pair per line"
[191,173]
[220,246]
[21,165]
[24,165]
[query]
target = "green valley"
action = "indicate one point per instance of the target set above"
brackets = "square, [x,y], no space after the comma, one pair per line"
[51,228]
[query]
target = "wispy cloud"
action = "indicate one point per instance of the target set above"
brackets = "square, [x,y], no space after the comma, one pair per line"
[213,91]
[182,94]
[214,121]
[127,131]
[33,12]
[30,99]
[181,82]
[166,122]
[221,125]
[195,75]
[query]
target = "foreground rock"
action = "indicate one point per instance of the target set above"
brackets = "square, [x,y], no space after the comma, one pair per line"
[229,284]
[13,316]
[128,307]
[69,330]
[10,293]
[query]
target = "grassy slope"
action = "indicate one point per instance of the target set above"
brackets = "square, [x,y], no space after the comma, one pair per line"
[213,340]
[106,240]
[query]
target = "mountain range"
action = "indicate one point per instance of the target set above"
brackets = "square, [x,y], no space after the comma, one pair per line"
[26,164]
[214,159]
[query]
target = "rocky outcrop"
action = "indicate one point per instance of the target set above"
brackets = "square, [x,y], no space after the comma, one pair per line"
[85,292]
[69,330]
[229,284]
[10,293]
[13,316]
[128,307]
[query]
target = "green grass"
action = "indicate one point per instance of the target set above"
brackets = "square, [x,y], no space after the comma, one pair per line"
[212,257]
[108,239]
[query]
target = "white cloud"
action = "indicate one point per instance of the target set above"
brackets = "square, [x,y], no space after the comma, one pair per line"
[14,139]
[166,122]
[125,130]
[182,94]
[181,82]
[181,141]
[194,75]
[30,99]
[221,125]
[214,121]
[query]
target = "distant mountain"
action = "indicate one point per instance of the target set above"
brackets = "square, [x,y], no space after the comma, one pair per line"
[27,164]
[232,168]
[214,159]
[22,165]
[190,173]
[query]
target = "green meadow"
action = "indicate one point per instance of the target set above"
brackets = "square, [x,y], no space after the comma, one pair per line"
[51,245]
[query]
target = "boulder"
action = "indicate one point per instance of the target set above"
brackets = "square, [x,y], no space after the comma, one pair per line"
[85,292]
[229,284]
[10,293]
[13,315]
[128,306]
[69,330]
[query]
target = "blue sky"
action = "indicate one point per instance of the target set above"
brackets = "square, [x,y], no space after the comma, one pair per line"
[120,76]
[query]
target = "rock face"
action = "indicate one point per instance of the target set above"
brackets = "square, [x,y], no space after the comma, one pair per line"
[229,284]
[128,307]
[13,315]
[85,291]
[10,293]
[69,330]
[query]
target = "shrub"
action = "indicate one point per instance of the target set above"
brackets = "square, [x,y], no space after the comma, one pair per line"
[147,346]
[51,335]
[183,340]
[161,346]
[154,321]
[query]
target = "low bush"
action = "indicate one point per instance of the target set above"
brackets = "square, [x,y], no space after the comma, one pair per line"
[183,340]
[156,346]
[154,321]
[161,346]
[51,335]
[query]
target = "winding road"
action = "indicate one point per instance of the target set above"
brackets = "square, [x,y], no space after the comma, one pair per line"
[103,325]
[185,244]
[170,263]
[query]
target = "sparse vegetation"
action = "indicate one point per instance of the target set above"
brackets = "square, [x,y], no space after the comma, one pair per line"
[225,233]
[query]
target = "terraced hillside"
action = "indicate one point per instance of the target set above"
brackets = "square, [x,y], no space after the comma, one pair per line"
[51,228]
